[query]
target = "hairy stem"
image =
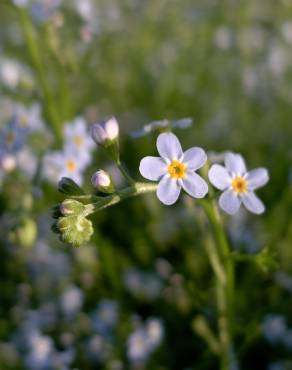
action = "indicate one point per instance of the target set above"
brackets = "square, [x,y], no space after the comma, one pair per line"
[131,191]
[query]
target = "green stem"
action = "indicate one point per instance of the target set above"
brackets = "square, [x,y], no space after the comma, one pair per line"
[33,47]
[131,191]
[64,96]
[215,262]
[125,173]
[224,292]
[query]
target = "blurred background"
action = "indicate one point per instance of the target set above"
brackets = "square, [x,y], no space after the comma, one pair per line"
[133,297]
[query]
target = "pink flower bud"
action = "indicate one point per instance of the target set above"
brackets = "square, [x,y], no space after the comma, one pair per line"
[102,181]
[105,132]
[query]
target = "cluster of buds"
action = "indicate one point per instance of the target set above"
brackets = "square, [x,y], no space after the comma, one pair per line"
[71,222]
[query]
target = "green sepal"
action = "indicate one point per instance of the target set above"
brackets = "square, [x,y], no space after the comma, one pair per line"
[70,207]
[112,149]
[56,212]
[75,230]
[267,260]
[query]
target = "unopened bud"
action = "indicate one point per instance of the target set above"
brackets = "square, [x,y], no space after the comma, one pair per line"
[106,132]
[74,230]
[102,181]
[71,207]
[69,187]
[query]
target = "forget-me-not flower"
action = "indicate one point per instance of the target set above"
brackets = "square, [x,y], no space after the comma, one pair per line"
[238,185]
[12,138]
[77,139]
[175,169]
[59,164]
[29,118]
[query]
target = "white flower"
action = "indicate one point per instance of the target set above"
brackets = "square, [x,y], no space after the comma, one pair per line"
[238,185]
[29,117]
[71,300]
[144,340]
[59,164]
[77,139]
[155,332]
[7,162]
[138,349]
[175,169]
[105,131]
[13,73]
[10,73]
[27,162]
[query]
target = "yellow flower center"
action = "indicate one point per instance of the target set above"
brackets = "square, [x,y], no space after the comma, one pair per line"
[71,165]
[23,121]
[177,169]
[10,138]
[78,140]
[239,184]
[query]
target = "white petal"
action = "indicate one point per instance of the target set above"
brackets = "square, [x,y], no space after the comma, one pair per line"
[257,178]
[152,168]
[112,128]
[253,203]
[168,146]
[235,163]
[168,190]
[195,185]
[195,158]
[219,177]
[229,202]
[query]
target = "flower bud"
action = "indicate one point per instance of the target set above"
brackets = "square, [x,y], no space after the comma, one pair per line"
[106,132]
[71,207]
[74,230]
[25,233]
[102,181]
[69,187]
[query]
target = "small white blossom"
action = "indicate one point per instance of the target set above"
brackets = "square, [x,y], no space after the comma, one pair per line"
[59,164]
[175,169]
[77,139]
[238,185]
[71,300]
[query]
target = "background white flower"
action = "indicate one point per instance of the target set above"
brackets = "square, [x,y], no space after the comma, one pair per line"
[175,169]
[238,185]
[77,139]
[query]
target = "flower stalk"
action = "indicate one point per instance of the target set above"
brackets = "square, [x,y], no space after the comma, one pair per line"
[131,191]
[33,48]
[224,286]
